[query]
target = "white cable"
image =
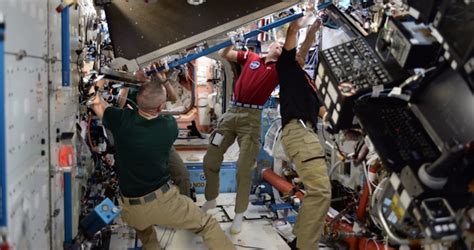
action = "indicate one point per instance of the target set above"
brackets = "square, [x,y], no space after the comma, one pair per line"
[367,177]
[312,60]
[375,242]
[377,189]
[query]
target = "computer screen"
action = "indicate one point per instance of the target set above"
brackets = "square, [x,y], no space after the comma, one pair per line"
[457,26]
[447,108]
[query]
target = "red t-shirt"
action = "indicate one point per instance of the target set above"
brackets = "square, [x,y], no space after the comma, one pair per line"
[257,80]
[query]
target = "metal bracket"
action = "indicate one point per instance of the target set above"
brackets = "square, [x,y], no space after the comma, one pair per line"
[20,55]
[56,212]
[47,59]
[53,173]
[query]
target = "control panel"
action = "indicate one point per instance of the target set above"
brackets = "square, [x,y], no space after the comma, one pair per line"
[345,72]
[397,209]
[439,218]
[411,211]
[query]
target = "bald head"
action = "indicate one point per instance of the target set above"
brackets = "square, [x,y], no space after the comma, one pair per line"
[274,49]
[151,96]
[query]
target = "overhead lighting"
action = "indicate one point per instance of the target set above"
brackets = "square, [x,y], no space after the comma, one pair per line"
[196,2]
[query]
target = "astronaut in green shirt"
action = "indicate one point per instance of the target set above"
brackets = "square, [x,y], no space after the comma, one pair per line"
[143,139]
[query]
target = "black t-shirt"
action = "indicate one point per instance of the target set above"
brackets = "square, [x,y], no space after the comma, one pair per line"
[298,98]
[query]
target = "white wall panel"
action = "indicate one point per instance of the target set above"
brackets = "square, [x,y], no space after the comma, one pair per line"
[57,188]
[27,123]
[27,117]
[30,83]
[27,151]
[26,26]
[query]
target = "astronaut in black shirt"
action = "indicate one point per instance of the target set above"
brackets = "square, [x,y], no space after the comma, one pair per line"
[299,109]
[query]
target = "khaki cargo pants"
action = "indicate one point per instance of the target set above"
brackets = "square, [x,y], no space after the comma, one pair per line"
[175,211]
[243,124]
[179,173]
[304,150]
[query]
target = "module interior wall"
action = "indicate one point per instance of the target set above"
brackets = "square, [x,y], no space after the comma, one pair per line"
[64,108]
[26,88]
[26,26]
[63,112]
[27,160]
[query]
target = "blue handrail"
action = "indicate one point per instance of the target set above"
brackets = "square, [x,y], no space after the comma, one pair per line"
[3,160]
[65,48]
[66,82]
[67,206]
[227,43]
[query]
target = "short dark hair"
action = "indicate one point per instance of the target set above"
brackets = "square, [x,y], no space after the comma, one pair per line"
[151,95]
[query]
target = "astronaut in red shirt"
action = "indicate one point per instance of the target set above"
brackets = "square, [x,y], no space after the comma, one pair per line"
[242,122]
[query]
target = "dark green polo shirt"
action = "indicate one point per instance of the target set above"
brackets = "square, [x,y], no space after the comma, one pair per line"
[142,149]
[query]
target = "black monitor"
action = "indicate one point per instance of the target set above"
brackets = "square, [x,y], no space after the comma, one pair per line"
[446,108]
[146,31]
[455,23]
[423,10]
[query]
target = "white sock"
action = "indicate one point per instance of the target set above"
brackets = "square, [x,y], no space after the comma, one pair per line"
[237,223]
[209,205]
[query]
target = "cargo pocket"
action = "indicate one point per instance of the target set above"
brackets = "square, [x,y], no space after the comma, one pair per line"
[311,149]
[218,130]
[310,139]
[291,152]
[291,146]
[253,126]
[216,138]
[293,134]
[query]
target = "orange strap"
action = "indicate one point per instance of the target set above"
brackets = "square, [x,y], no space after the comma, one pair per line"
[310,82]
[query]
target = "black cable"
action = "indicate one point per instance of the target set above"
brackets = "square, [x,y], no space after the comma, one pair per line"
[163,234]
[170,237]
[225,213]
[261,217]
[358,147]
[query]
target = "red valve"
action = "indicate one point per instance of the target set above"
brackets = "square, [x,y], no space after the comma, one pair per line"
[5,246]
[66,156]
